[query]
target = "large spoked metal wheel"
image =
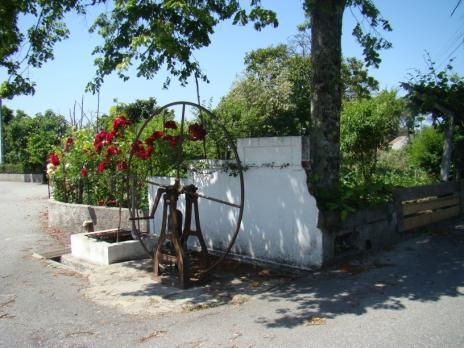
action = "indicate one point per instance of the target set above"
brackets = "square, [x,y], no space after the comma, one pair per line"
[188,117]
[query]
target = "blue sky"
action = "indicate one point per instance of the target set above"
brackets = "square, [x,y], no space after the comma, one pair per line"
[418,26]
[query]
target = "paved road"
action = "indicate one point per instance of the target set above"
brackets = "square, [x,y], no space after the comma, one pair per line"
[410,296]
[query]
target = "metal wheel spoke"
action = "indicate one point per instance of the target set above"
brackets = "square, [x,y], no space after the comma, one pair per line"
[200,195]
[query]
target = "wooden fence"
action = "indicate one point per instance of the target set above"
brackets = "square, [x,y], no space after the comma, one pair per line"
[411,209]
[425,205]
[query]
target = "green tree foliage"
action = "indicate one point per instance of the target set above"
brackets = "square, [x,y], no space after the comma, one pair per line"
[32,46]
[441,94]
[15,138]
[153,34]
[366,126]
[426,150]
[139,110]
[28,140]
[165,33]
[7,115]
[136,112]
[273,96]
[48,129]
[356,80]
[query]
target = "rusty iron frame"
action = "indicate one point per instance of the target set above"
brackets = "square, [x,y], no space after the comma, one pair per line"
[171,194]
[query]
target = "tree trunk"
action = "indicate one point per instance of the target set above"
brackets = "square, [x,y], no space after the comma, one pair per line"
[445,165]
[326,55]
[326,87]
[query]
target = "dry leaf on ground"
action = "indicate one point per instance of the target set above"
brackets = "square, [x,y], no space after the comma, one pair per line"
[312,321]
[156,333]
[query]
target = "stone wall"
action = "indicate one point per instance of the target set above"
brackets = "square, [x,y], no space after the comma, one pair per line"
[70,217]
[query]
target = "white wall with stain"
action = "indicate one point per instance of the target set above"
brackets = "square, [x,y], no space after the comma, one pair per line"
[279,223]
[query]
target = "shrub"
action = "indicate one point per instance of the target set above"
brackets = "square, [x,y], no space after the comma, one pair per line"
[12,168]
[366,126]
[394,170]
[426,150]
[92,168]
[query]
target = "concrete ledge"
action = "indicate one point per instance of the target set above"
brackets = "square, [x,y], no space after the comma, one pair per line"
[103,253]
[69,217]
[36,178]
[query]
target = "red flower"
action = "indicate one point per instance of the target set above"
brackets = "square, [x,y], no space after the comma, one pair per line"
[112,151]
[84,171]
[100,137]
[54,159]
[142,155]
[150,140]
[110,136]
[171,139]
[137,147]
[98,141]
[101,167]
[196,132]
[69,143]
[158,134]
[170,124]
[155,136]
[121,166]
[119,122]
[111,202]
[101,202]
[149,150]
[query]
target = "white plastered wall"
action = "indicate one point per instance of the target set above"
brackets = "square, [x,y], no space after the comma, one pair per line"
[279,223]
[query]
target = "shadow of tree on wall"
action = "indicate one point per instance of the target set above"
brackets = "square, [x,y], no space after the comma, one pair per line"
[423,269]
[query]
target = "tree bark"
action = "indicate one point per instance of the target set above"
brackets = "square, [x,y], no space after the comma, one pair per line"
[326,31]
[324,170]
[445,165]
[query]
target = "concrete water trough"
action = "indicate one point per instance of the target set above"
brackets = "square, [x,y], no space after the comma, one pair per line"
[106,247]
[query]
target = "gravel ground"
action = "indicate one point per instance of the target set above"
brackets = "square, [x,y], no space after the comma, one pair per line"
[412,295]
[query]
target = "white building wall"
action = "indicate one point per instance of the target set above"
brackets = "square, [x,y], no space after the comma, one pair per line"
[280,216]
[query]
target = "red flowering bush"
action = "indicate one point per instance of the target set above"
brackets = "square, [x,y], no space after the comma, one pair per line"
[172,140]
[170,125]
[54,159]
[101,167]
[88,168]
[121,166]
[69,143]
[120,122]
[155,136]
[196,132]
[112,151]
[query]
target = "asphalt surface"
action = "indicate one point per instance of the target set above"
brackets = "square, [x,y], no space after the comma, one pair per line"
[412,295]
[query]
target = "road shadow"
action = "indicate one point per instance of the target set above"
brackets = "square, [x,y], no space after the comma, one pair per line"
[232,282]
[423,269]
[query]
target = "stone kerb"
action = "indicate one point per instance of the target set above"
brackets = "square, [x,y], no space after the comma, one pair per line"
[70,217]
